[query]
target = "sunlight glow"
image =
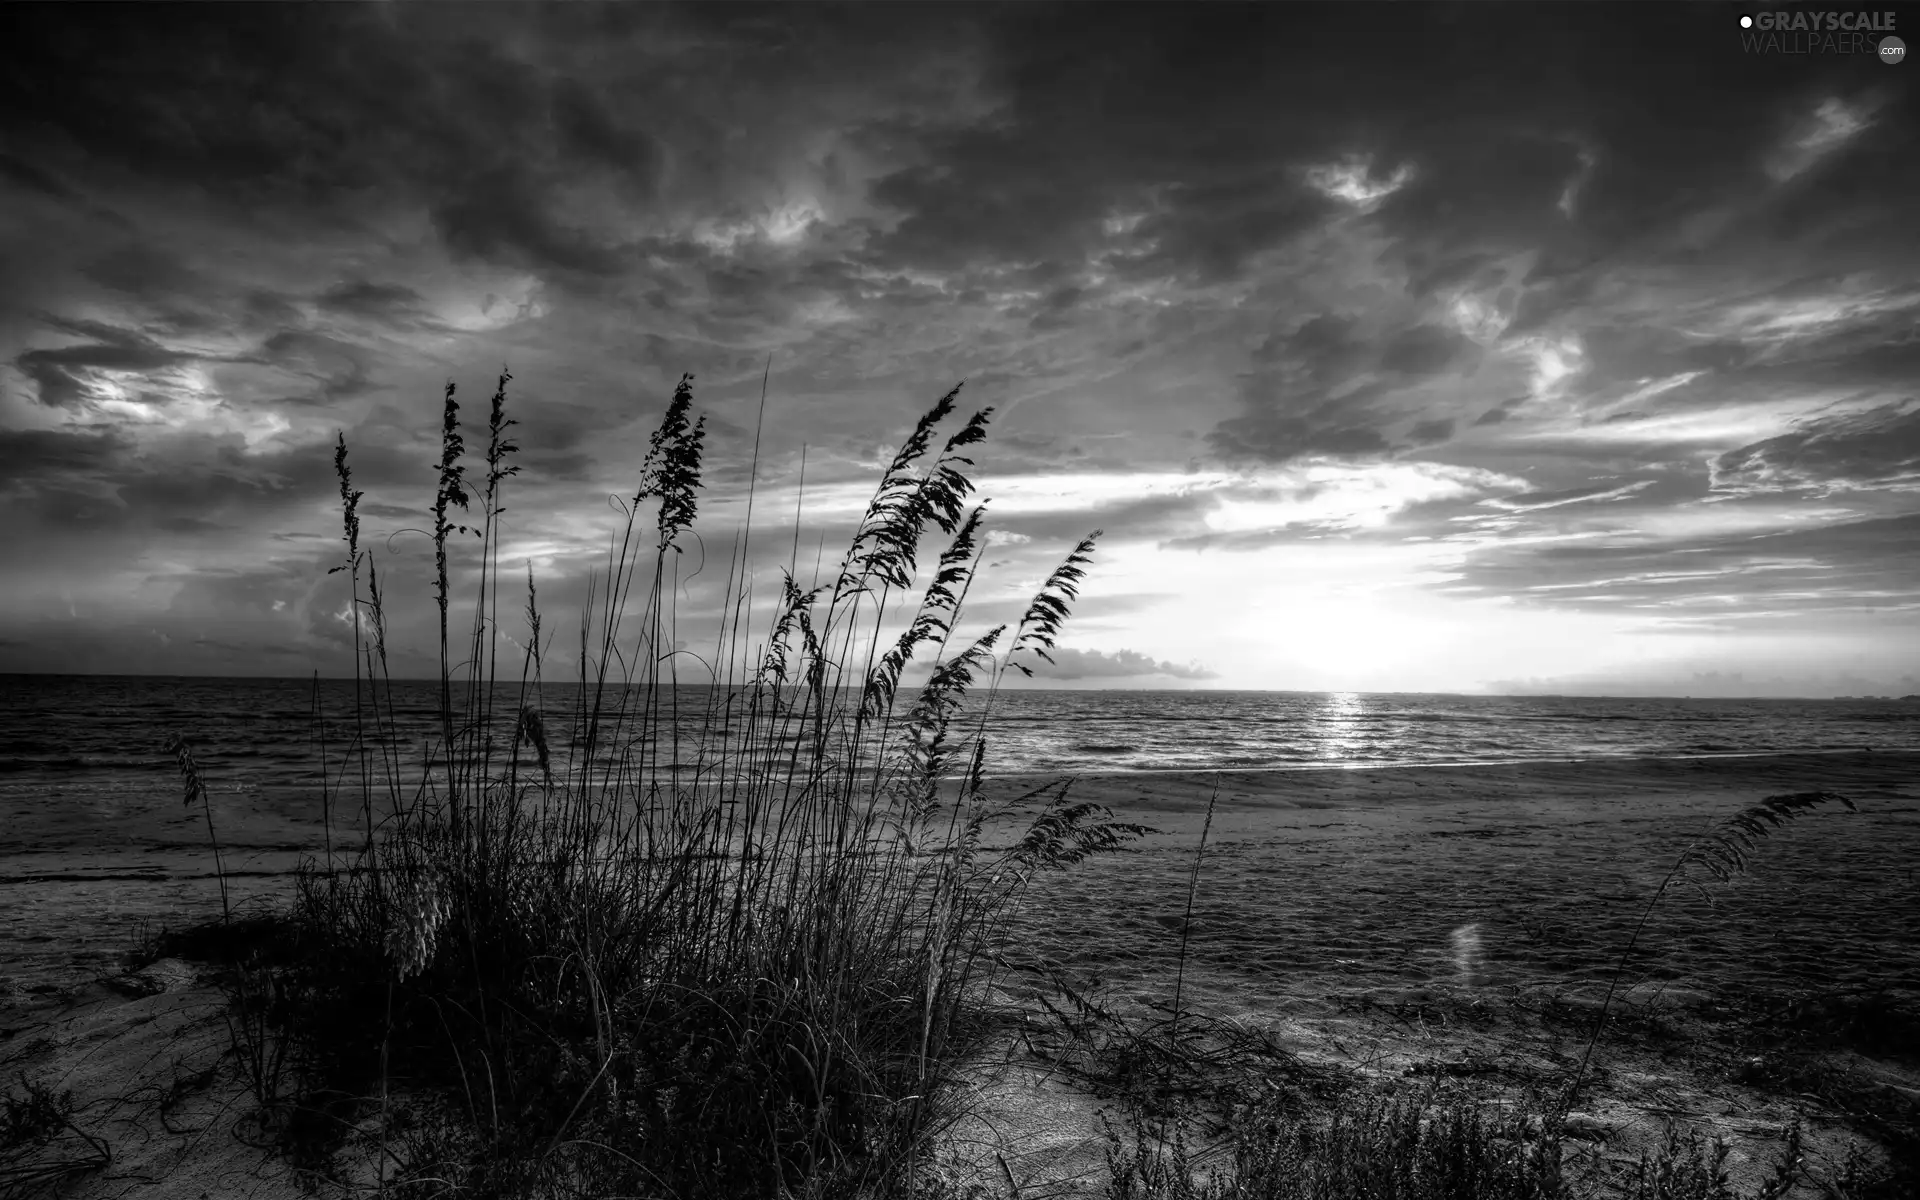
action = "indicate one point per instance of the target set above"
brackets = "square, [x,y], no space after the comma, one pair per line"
[783,225]
[1353,181]
[1727,425]
[1353,497]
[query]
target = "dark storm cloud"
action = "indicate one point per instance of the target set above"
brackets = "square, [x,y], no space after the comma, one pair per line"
[145,271]
[25,453]
[1184,122]
[1301,399]
[305,106]
[502,215]
[1878,448]
[1423,350]
[104,481]
[333,369]
[363,298]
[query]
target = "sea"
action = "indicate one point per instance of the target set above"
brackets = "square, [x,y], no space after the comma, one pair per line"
[96,844]
[85,734]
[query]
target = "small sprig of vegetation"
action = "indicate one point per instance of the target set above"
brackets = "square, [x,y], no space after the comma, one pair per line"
[193,787]
[41,1148]
[1722,852]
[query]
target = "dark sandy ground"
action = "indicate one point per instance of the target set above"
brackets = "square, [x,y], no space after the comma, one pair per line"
[1464,922]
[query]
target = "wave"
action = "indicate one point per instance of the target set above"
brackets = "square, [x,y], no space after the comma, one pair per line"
[16,765]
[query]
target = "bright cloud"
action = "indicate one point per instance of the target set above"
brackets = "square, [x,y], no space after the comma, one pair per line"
[1353,181]
[1350,497]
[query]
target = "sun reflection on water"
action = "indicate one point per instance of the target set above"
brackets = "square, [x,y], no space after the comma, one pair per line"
[1335,728]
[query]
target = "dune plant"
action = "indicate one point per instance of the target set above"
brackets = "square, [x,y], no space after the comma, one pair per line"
[734,938]
[42,1149]
[1186,916]
[1425,1147]
[195,788]
[1422,1147]
[1723,852]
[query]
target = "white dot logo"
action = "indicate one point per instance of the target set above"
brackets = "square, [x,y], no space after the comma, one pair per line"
[1746,22]
[1892,50]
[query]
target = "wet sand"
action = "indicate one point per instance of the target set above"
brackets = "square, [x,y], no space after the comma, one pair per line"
[1317,883]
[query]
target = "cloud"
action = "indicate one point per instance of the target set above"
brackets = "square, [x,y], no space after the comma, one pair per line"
[1353,181]
[1499,412]
[1069,663]
[1878,448]
[1830,126]
[366,299]
[1800,574]
[1328,387]
[1285,281]
[89,373]
[1331,495]
[1537,501]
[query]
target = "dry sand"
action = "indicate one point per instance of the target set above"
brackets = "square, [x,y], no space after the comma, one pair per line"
[1397,923]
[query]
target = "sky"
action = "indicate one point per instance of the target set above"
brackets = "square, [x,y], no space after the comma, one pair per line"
[1561,348]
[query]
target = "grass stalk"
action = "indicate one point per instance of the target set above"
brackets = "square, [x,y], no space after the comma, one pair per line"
[195,788]
[1724,852]
[1186,916]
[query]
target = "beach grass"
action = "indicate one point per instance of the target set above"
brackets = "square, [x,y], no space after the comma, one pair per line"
[745,966]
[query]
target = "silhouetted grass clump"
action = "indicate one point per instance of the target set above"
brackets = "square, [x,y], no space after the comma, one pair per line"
[1434,1146]
[736,952]
[1419,1148]
[41,1146]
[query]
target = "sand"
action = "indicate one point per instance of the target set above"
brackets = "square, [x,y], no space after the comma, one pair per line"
[1396,923]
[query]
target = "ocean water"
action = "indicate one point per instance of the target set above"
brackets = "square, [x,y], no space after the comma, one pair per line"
[94,839]
[64,734]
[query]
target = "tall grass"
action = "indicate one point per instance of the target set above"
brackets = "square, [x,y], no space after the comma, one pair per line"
[748,962]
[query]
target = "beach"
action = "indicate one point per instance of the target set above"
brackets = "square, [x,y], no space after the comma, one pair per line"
[1463,919]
